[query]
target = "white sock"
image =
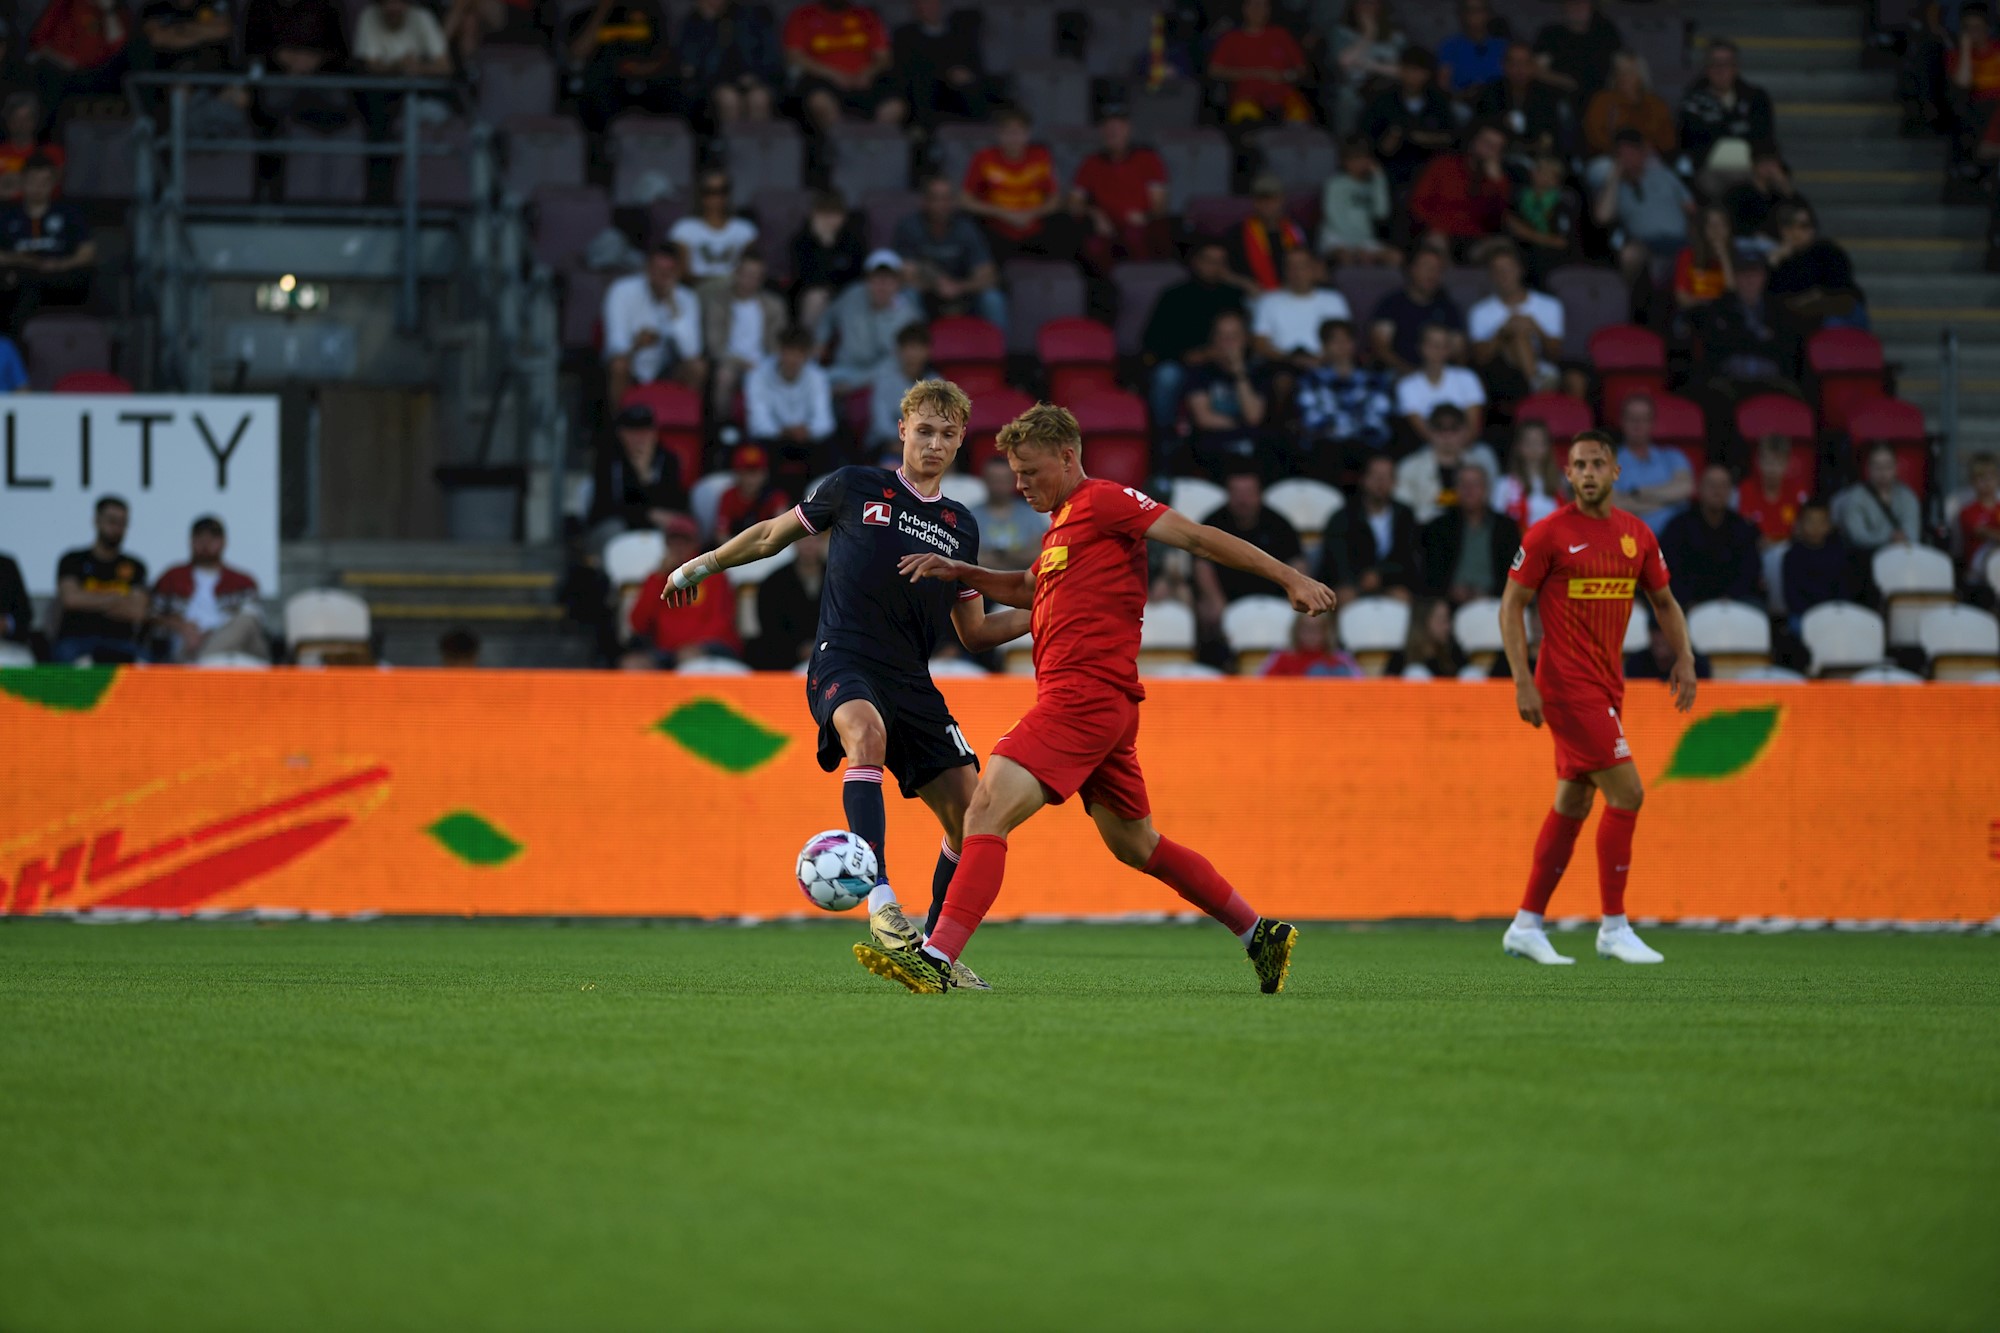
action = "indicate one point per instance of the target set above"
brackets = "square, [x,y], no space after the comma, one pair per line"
[1527,920]
[1245,935]
[881,896]
[1614,922]
[937,954]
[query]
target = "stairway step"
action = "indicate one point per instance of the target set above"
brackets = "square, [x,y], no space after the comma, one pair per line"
[1822,79]
[1875,256]
[1908,187]
[1842,120]
[1883,153]
[1760,23]
[1850,222]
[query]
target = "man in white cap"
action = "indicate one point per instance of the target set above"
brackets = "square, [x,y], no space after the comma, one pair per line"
[861,325]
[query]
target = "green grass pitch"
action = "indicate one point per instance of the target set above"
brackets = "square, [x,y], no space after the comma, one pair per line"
[460,1126]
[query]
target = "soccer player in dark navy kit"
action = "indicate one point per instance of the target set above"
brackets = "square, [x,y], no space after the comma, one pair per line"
[869,682]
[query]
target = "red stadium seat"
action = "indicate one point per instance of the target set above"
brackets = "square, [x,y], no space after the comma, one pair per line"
[93,381]
[1848,365]
[1081,356]
[1563,415]
[970,352]
[677,415]
[1678,424]
[1775,414]
[990,411]
[1115,441]
[1628,359]
[1899,424]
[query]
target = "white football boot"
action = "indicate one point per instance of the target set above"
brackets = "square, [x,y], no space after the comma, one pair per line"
[1532,943]
[1622,944]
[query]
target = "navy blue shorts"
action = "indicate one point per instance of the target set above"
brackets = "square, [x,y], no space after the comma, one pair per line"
[923,738]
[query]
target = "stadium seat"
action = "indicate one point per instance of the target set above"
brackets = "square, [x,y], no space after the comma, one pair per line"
[542,151]
[1302,156]
[1213,216]
[652,158]
[1017,32]
[1847,363]
[513,81]
[763,155]
[100,159]
[990,411]
[93,381]
[1079,355]
[1166,634]
[1885,675]
[324,621]
[1057,91]
[1256,627]
[1899,425]
[230,662]
[965,488]
[1772,675]
[677,412]
[1775,414]
[220,178]
[1842,638]
[1374,628]
[1068,145]
[1364,286]
[1179,671]
[1912,579]
[971,352]
[583,307]
[1993,571]
[1638,632]
[15,655]
[779,214]
[942,667]
[886,211]
[711,666]
[444,180]
[1468,284]
[1117,33]
[1476,626]
[705,500]
[1115,441]
[1039,292]
[1960,641]
[1735,637]
[1017,656]
[1198,162]
[1139,286]
[1592,298]
[62,342]
[567,219]
[954,145]
[1628,359]
[868,158]
[327,178]
[1306,505]
[1170,107]
[1564,416]
[1196,497]
[630,558]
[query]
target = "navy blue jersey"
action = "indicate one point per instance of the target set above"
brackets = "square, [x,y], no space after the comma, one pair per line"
[876,517]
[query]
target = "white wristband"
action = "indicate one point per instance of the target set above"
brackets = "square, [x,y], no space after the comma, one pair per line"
[690,575]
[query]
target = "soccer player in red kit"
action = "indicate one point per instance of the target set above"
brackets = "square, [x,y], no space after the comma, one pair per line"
[1088,593]
[1581,565]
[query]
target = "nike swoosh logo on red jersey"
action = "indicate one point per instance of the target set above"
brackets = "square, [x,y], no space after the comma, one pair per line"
[1574,549]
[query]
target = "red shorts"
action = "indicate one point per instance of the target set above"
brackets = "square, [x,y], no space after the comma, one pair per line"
[1082,744]
[1589,737]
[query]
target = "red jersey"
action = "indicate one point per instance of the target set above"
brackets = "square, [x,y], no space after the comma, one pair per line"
[1266,49]
[1090,590]
[1585,572]
[1985,71]
[1976,518]
[1774,515]
[847,40]
[711,618]
[737,511]
[1026,183]
[1453,198]
[1124,187]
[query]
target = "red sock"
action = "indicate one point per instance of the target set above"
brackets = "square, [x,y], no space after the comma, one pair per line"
[1190,875]
[1552,849]
[1614,857]
[982,863]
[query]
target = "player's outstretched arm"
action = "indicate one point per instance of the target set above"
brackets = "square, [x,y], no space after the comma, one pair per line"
[1009,587]
[1514,599]
[1308,595]
[759,541]
[980,632]
[1674,628]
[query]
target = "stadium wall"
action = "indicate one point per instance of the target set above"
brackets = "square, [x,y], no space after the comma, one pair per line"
[528,793]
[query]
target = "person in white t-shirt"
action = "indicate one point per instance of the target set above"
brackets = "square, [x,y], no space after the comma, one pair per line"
[1286,323]
[1436,382]
[714,238]
[1516,333]
[652,327]
[789,402]
[399,39]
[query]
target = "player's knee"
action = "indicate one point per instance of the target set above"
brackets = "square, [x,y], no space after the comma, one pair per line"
[1627,800]
[864,740]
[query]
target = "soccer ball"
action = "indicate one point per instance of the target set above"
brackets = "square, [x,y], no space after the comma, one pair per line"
[836,869]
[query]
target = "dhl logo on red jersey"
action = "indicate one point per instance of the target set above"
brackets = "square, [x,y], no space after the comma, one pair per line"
[1602,590]
[1054,558]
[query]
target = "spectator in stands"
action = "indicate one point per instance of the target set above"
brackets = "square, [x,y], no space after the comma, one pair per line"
[468,24]
[1576,51]
[1472,56]
[1627,102]
[1243,514]
[1817,566]
[183,37]
[740,331]
[1258,68]
[938,58]
[1653,482]
[1011,187]
[1010,531]
[17,609]
[458,649]
[1285,324]
[827,252]
[1878,509]
[1467,547]
[1647,204]
[205,607]
[1979,518]
[1461,199]
[1257,248]
[1313,653]
[714,238]
[1428,480]
[1401,318]
[652,327]
[1543,219]
[1121,193]
[1344,409]
[1743,347]
[1812,278]
[1370,547]
[662,635]
[731,62]
[951,260]
[752,496]
[1532,113]
[1754,204]
[22,117]
[1532,488]
[838,52]
[641,486]
[788,608]
[394,38]
[622,54]
[1176,339]
[1364,51]
[78,49]
[1711,550]
[790,403]
[47,256]
[1721,109]
[1516,333]
[300,38]
[861,325]
[1229,401]
[1353,205]
[1705,267]
[1975,77]
[101,592]
[1438,383]
[885,393]
[1770,500]
[1411,122]
[1431,645]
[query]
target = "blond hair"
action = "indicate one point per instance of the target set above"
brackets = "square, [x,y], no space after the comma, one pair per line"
[939,396]
[1043,426]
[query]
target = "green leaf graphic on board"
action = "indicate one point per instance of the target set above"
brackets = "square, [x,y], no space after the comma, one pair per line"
[66,689]
[473,840]
[712,730]
[1722,745]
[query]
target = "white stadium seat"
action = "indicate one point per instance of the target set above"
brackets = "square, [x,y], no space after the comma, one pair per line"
[754,573]
[1993,571]
[1166,634]
[1912,579]
[1194,497]
[1476,626]
[1960,641]
[1372,628]
[1305,504]
[1886,675]
[955,666]
[711,666]
[1257,627]
[1772,675]
[1638,632]
[1178,671]
[326,618]
[631,557]
[1842,637]
[965,488]
[15,655]
[1734,636]
[231,662]
[705,500]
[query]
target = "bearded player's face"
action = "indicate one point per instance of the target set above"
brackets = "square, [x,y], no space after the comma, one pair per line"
[930,443]
[1592,470]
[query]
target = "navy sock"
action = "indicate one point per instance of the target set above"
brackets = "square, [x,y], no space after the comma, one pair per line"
[861,796]
[947,866]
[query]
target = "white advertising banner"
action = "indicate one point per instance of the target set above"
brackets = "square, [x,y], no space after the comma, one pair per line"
[171,459]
